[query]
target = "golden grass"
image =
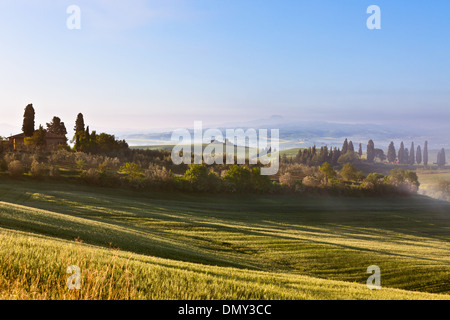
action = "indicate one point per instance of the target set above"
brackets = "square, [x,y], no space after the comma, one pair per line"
[34,267]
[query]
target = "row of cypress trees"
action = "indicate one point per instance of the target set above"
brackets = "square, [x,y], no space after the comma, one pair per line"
[408,156]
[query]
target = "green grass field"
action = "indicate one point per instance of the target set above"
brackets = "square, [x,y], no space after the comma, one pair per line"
[168,246]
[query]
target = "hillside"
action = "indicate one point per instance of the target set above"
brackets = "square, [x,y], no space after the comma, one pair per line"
[269,243]
[33,267]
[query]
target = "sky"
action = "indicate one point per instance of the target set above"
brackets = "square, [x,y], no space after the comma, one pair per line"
[143,65]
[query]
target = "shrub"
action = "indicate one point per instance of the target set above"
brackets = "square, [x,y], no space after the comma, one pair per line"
[62,156]
[349,173]
[404,180]
[327,171]
[80,164]
[374,181]
[288,180]
[201,179]
[15,168]
[91,176]
[111,162]
[444,186]
[3,165]
[159,176]
[239,178]
[27,159]
[134,175]
[53,172]
[259,183]
[312,181]
[37,169]
[132,170]
[9,157]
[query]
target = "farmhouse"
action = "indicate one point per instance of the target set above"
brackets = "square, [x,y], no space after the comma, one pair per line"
[51,140]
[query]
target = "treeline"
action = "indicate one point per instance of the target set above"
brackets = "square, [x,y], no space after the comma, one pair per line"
[84,140]
[408,156]
[137,169]
[336,156]
[313,156]
[413,156]
[152,172]
[348,180]
[91,142]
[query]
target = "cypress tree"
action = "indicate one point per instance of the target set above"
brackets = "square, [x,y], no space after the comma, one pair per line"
[79,123]
[391,155]
[28,121]
[360,150]
[441,158]
[345,147]
[419,155]
[88,134]
[335,157]
[412,157]
[298,157]
[401,153]
[425,154]
[370,151]
[79,131]
[350,147]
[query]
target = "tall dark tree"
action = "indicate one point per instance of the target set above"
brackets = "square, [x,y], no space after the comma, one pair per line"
[79,123]
[401,153]
[88,133]
[323,155]
[350,147]
[28,121]
[79,132]
[56,126]
[412,157]
[391,155]
[345,147]
[441,158]
[419,155]
[360,150]
[370,151]
[425,154]
[335,156]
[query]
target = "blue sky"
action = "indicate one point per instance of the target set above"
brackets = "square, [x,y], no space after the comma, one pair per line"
[140,65]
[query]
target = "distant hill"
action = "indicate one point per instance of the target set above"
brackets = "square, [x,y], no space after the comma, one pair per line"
[307,134]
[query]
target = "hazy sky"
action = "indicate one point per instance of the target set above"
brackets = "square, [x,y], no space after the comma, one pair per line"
[147,64]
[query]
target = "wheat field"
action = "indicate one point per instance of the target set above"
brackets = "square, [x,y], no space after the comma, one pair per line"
[138,245]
